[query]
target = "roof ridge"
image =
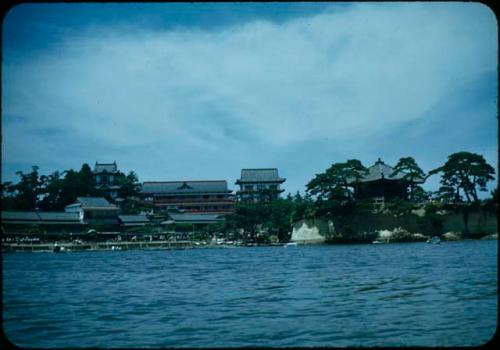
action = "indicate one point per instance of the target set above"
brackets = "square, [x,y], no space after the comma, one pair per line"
[182,181]
[259,169]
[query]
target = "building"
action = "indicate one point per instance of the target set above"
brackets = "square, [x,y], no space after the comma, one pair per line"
[258,185]
[105,178]
[379,185]
[188,218]
[20,222]
[133,221]
[210,196]
[94,210]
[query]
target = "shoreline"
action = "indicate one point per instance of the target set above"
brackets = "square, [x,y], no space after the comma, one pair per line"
[70,247]
[58,247]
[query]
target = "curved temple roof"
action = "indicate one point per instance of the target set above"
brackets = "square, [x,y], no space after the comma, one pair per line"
[380,170]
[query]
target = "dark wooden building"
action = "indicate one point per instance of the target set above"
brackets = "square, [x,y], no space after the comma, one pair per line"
[380,185]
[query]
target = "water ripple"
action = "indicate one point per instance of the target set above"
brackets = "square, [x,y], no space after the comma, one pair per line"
[334,296]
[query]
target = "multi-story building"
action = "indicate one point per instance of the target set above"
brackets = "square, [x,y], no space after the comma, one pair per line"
[105,178]
[211,196]
[257,185]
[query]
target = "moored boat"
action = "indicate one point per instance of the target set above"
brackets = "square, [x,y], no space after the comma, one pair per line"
[434,240]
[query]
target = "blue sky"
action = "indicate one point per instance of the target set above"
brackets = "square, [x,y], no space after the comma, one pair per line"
[198,91]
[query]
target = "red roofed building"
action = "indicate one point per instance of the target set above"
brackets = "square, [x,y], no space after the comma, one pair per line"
[209,196]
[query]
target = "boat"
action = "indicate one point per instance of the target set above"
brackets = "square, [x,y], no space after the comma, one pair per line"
[58,249]
[290,244]
[434,240]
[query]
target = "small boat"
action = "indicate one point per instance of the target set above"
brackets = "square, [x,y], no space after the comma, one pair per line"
[290,244]
[377,242]
[58,248]
[434,240]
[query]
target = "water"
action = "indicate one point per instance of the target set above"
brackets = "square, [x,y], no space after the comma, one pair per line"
[412,294]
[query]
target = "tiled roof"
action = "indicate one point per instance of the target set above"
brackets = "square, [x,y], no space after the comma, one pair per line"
[260,175]
[107,167]
[379,171]
[95,202]
[53,216]
[178,187]
[194,218]
[133,218]
[20,215]
[39,217]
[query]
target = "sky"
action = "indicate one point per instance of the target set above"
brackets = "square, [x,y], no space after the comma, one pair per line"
[197,91]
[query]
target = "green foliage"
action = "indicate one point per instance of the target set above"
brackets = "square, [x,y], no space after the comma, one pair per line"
[409,168]
[50,193]
[464,173]
[183,227]
[275,217]
[24,194]
[215,227]
[399,207]
[129,184]
[411,173]
[335,182]
[302,208]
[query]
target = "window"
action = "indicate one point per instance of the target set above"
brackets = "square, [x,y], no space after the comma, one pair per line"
[248,187]
[273,187]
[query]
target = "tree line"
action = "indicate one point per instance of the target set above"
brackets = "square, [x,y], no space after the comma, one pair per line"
[329,194]
[55,191]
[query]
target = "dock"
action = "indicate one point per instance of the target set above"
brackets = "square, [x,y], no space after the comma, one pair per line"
[97,246]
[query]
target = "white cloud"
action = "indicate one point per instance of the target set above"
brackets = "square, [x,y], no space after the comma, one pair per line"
[243,92]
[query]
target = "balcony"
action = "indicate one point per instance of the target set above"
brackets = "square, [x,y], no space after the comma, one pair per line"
[194,201]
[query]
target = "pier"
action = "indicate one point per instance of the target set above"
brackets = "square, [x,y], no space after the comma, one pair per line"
[96,246]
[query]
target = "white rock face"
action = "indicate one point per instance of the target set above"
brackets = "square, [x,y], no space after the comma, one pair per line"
[384,234]
[451,236]
[492,236]
[306,234]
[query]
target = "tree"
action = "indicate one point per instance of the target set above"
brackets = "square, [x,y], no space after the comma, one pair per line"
[8,196]
[129,184]
[466,173]
[335,182]
[51,192]
[332,189]
[302,208]
[279,218]
[411,173]
[247,216]
[24,194]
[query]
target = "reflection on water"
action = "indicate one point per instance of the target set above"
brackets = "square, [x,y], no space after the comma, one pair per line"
[349,295]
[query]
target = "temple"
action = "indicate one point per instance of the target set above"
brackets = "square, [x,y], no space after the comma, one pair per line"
[105,176]
[380,185]
[259,185]
[189,196]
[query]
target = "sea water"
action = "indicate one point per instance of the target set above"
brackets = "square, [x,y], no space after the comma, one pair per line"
[412,294]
